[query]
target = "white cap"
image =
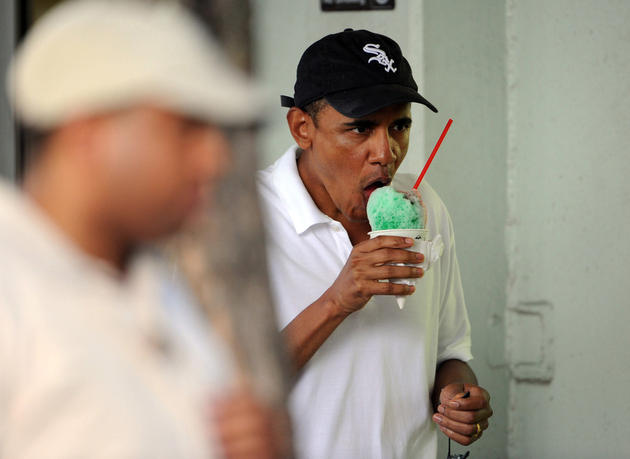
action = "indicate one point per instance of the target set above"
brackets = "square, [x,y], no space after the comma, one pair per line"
[91,56]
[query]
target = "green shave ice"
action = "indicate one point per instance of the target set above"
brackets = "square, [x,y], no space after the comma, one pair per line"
[391,209]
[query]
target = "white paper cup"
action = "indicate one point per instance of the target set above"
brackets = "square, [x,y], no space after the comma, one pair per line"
[420,245]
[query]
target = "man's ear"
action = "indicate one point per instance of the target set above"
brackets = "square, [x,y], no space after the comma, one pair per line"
[301,126]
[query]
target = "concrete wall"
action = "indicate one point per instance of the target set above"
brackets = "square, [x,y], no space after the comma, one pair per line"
[539,93]
[465,73]
[7,147]
[569,192]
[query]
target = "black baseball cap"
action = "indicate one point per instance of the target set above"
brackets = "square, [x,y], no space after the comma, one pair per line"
[357,71]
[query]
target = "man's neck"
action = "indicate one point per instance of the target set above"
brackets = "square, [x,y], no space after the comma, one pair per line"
[357,230]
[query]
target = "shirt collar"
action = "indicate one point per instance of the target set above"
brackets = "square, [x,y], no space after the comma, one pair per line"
[294,195]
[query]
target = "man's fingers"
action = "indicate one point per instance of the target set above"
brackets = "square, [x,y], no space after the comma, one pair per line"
[388,255]
[459,438]
[451,391]
[240,420]
[477,391]
[245,431]
[394,272]
[460,427]
[390,288]
[381,242]
[235,426]
[247,447]
[471,403]
[236,406]
[468,416]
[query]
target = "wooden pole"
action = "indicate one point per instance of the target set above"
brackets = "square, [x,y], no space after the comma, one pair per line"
[224,256]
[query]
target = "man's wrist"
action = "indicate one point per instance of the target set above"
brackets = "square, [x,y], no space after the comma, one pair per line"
[333,310]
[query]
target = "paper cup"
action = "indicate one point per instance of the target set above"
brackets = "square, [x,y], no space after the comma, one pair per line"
[420,245]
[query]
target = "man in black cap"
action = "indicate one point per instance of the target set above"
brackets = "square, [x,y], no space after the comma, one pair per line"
[371,375]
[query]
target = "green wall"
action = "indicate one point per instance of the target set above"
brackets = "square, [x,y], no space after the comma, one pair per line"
[464,66]
[569,193]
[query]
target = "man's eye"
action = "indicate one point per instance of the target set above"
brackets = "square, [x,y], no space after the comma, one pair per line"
[359,130]
[401,127]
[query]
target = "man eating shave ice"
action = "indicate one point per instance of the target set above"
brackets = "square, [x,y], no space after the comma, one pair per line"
[374,379]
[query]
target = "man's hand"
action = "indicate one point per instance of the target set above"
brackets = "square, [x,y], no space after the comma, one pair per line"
[353,288]
[246,428]
[368,263]
[463,418]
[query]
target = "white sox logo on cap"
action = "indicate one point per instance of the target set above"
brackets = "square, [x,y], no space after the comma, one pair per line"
[380,56]
[357,71]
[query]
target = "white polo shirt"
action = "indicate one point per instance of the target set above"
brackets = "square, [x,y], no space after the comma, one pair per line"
[366,392]
[91,365]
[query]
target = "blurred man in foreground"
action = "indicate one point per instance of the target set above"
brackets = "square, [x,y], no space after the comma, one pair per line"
[101,351]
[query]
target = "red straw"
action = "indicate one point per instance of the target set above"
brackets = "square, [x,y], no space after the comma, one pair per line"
[435,149]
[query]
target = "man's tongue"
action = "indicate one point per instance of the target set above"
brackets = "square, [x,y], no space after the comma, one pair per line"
[370,188]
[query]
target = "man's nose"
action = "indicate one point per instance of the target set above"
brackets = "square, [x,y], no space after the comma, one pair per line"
[382,149]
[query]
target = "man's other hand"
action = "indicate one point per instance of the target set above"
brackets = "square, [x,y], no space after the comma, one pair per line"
[247,428]
[463,418]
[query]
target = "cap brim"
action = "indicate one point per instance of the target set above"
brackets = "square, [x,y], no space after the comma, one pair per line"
[222,96]
[359,102]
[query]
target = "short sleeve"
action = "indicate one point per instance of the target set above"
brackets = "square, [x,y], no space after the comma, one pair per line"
[454,326]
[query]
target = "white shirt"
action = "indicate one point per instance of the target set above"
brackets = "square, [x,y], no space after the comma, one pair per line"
[366,392]
[92,365]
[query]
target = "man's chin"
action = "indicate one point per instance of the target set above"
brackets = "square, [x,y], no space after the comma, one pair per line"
[194,219]
[357,216]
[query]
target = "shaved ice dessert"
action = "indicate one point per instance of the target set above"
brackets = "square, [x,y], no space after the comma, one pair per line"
[392,213]
[390,209]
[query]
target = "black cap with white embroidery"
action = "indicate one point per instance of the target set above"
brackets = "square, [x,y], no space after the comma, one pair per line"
[357,71]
